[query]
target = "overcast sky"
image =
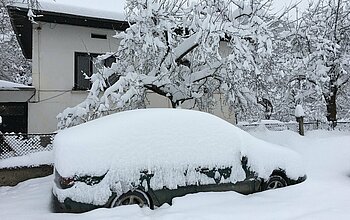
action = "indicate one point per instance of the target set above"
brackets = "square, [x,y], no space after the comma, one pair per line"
[282,3]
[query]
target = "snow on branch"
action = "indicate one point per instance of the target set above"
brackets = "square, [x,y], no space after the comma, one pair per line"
[182,50]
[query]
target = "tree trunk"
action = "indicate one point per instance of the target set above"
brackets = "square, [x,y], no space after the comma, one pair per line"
[331,104]
[173,104]
[268,107]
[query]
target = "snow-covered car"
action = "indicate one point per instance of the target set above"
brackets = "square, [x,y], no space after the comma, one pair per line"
[148,157]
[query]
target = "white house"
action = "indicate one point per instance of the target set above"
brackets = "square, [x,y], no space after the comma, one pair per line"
[62,43]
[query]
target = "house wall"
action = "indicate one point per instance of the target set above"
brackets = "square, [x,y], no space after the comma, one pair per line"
[54,46]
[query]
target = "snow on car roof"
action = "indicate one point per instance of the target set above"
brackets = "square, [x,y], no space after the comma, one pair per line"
[149,138]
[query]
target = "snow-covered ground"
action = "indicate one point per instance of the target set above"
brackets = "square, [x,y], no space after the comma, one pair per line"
[324,195]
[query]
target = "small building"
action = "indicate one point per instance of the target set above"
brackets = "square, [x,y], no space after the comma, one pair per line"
[14,101]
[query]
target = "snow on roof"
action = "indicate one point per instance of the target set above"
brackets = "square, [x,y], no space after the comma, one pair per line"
[106,9]
[114,9]
[11,85]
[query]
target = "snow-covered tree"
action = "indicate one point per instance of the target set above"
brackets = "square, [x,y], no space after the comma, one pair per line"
[274,84]
[271,83]
[300,66]
[182,50]
[13,65]
[343,104]
[290,85]
[322,43]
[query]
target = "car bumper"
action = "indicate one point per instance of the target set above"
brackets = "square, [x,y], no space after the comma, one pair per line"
[70,206]
[299,180]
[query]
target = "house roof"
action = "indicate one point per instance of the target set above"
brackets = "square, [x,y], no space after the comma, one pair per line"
[15,92]
[107,9]
[7,85]
[60,14]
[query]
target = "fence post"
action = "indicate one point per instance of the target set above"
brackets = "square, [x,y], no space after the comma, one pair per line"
[300,121]
[299,114]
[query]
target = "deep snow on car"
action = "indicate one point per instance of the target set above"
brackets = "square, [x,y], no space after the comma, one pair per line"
[147,157]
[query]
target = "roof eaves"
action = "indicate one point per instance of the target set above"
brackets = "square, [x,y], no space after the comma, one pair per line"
[23,27]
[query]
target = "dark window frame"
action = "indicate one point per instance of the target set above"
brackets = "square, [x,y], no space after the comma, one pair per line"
[80,83]
[99,36]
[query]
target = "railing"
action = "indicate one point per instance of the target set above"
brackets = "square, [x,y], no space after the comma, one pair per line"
[271,127]
[293,126]
[341,126]
[14,145]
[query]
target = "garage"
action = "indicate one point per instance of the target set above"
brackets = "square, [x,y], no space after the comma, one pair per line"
[14,100]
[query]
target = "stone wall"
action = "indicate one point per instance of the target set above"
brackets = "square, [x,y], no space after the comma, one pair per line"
[13,176]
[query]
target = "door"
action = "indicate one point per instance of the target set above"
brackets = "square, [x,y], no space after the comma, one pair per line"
[14,117]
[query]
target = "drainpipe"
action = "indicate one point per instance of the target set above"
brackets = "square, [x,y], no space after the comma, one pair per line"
[36,73]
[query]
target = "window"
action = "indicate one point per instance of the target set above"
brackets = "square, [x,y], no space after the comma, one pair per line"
[99,36]
[84,64]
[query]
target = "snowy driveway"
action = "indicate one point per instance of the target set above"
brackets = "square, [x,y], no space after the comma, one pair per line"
[325,194]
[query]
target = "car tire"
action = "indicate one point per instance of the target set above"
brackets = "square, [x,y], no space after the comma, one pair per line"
[274,182]
[135,197]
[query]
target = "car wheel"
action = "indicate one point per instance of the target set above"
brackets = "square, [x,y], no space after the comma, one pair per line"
[136,197]
[275,182]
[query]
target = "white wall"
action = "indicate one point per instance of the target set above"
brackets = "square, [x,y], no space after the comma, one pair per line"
[54,46]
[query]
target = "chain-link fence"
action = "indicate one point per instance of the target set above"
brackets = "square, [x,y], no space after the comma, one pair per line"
[14,145]
[293,126]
